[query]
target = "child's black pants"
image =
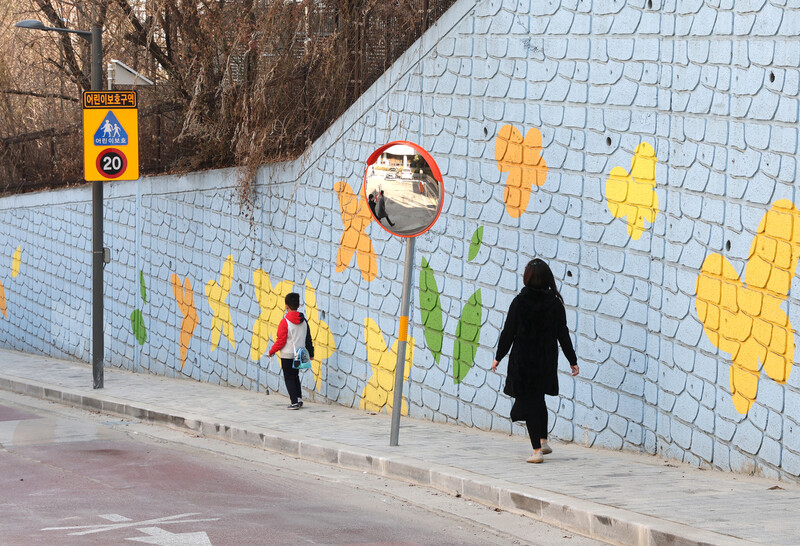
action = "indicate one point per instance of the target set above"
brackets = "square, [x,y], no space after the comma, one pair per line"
[291,377]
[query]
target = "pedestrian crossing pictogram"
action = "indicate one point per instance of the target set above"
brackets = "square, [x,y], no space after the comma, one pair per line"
[110,132]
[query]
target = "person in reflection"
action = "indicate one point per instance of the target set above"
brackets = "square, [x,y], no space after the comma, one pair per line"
[372,205]
[535,324]
[382,209]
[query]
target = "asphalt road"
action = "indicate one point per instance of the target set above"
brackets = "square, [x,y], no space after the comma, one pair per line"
[73,477]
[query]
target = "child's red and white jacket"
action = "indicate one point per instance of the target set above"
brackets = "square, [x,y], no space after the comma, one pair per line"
[285,344]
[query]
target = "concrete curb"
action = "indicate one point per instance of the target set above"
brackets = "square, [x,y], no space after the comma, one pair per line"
[602,522]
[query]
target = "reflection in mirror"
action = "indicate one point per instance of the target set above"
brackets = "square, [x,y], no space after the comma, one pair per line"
[403,194]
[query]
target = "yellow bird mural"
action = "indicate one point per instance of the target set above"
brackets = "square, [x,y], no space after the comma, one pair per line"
[217,294]
[324,343]
[746,319]
[379,391]
[522,160]
[271,301]
[633,195]
[16,262]
[355,217]
[184,295]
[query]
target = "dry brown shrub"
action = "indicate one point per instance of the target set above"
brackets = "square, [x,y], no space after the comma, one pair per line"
[238,82]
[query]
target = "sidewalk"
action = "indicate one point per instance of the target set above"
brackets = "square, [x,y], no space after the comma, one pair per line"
[614,496]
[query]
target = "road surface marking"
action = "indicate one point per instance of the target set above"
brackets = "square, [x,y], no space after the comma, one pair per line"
[165,538]
[89,529]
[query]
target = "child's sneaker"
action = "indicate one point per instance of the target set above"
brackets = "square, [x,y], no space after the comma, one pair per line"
[293,406]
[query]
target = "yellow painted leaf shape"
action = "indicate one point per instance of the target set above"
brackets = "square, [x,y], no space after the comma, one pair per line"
[184,295]
[324,344]
[746,319]
[217,294]
[522,159]
[355,217]
[16,262]
[633,195]
[272,304]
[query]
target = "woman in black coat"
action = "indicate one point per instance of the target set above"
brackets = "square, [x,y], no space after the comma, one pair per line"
[536,323]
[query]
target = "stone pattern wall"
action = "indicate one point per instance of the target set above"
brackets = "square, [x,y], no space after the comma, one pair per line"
[710,88]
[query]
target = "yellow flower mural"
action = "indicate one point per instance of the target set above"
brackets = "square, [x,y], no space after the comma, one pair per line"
[324,344]
[522,159]
[355,217]
[16,262]
[184,295]
[746,319]
[378,392]
[271,302]
[217,299]
[633,195]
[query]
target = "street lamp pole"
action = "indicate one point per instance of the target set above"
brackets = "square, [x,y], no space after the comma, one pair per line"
[98,349]
[95,39]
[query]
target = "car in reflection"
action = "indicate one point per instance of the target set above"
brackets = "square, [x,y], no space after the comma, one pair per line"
[391,174]
[406,174]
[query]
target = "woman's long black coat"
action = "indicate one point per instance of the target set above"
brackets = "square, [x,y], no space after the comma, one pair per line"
[535,325]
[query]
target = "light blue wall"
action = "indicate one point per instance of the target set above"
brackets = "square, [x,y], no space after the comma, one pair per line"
[714,90]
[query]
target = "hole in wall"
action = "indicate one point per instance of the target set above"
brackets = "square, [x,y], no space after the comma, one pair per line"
[728,245]
[772,76]
[569,273]
[241,288]
[608,141]
[649,4]
[485,131]
[170,264]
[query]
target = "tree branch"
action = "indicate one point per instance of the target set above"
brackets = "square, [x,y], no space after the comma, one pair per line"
[161,108]
[140,36]
[45,133]
[39,95]
[77,74]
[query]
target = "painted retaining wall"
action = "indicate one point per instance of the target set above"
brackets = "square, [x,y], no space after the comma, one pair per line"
[647,150]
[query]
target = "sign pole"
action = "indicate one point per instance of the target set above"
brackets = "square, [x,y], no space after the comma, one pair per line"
[98,346]
[402,336]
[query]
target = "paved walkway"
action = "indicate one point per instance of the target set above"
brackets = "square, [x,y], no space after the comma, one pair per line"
[619,497]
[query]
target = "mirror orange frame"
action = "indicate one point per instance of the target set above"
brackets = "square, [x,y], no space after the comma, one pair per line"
[434,173]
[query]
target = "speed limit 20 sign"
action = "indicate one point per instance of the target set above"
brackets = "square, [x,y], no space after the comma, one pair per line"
[110,135]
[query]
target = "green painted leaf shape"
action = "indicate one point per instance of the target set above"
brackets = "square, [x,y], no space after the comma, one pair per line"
[138,327]
[468,333]
[142,287]
[475,245]
[431,308]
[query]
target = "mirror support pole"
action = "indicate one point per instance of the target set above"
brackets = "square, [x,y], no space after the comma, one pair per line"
[402,336]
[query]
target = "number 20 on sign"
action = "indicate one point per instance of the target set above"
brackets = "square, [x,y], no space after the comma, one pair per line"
[110,135]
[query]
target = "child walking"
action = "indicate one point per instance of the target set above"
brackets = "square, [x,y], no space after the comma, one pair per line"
[293,332]
[535,324]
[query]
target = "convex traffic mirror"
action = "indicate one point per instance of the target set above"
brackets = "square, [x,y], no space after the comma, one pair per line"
[403,187]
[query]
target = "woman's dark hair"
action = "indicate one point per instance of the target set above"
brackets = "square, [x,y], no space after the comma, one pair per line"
[538,275]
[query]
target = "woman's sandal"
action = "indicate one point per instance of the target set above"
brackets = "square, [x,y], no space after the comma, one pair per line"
[535,458]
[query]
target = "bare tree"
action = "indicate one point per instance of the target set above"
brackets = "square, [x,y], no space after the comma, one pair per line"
[238,82]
